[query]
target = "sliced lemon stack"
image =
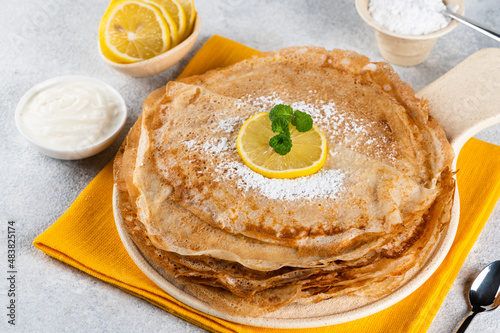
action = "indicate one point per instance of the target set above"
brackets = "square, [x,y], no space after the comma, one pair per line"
[136,30]
[176,12]
[188,8]
[307,156]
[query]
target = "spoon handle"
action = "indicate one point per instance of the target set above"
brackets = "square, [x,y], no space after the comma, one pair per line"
[466,322]
[474,25]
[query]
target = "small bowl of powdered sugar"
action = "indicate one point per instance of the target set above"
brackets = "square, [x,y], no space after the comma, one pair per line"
[406,30]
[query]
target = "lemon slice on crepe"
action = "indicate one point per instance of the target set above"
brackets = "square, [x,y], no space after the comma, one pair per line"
[307,155]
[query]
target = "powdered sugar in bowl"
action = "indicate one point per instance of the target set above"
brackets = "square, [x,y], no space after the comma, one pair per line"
[411,43]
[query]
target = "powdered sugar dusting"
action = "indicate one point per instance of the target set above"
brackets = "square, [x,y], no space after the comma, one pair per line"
[190,144]
[339,127]
[227,125]
[213,146]
[323,184]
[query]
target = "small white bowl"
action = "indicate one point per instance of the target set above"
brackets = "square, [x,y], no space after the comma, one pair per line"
[84,151]
[405,50]
[161,62]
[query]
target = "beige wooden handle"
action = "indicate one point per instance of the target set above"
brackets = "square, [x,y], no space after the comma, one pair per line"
[466,100]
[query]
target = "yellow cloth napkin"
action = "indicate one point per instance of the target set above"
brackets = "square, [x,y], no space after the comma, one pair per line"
[85,236]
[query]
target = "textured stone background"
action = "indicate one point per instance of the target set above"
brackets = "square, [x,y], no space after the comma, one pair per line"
[43,39]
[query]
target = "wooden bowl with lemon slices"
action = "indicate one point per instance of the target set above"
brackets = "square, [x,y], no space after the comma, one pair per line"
[145,37]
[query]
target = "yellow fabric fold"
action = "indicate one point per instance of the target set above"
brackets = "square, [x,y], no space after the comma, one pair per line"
[86,237]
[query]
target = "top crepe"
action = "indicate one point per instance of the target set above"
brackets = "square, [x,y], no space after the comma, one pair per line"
[235,238]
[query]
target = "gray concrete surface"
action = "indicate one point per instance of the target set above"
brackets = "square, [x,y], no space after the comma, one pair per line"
[43,39]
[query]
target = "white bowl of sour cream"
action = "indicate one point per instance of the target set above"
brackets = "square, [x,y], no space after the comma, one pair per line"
[71,117]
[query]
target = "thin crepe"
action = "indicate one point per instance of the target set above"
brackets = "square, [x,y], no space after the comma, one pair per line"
[380,225]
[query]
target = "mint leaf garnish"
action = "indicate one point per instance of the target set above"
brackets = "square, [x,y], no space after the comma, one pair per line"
[280,110]
[281,143]
[281,115]
[281,124]
[302,121]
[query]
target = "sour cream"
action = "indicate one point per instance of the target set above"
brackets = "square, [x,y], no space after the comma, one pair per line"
[70,113]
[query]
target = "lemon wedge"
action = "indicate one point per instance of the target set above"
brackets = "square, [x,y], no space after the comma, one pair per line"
[188,7]
[307,156]
[132,30]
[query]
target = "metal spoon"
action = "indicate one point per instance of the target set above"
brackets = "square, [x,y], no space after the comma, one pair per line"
[474,25]
[484,294]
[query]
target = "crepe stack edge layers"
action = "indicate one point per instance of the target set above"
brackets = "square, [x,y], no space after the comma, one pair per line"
[192,208]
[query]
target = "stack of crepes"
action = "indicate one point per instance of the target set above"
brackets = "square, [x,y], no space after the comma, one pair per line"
[249,245]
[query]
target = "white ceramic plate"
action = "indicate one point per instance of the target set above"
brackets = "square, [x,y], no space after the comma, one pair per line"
[294,316]
[460,121]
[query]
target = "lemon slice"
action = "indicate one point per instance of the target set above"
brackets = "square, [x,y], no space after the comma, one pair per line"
[177,13]
[132,31]
[308,153]
[188,7]
[174,29]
